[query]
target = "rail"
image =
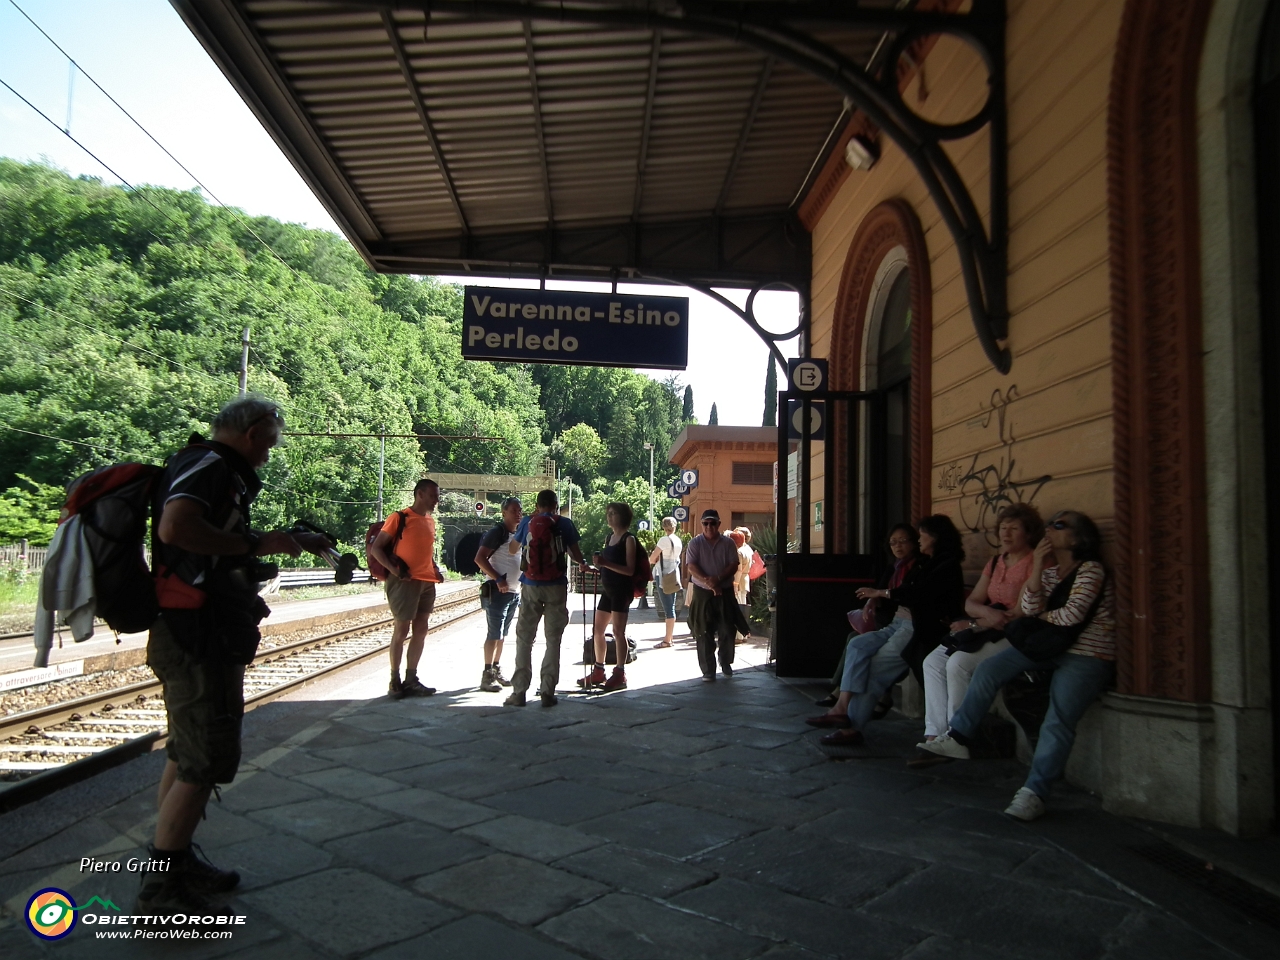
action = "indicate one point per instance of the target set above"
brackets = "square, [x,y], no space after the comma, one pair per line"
[50,747]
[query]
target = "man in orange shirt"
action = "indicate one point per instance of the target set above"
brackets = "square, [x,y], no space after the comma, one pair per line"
[409,556]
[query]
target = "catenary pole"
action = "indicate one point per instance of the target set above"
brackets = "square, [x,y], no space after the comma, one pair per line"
[382,464]
[244,362]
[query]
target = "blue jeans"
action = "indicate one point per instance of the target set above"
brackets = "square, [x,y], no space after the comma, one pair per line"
[501,612]
[666,602]
[872,663]
[1077,682]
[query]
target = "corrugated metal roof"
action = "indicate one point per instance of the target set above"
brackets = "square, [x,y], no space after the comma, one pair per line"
[500,146]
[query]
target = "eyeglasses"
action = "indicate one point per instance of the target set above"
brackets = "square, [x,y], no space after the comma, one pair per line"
[899,543]
[1060,525]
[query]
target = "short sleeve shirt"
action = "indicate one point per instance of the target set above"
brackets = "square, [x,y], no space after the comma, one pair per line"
[417,545]
[669,560]
[505,557]
[713,556]
[223,483]
[568,533]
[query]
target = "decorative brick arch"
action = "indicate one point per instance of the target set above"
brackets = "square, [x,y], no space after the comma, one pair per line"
[892,223]
[1161,556]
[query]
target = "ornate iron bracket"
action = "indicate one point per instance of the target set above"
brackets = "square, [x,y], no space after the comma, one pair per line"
[779,29]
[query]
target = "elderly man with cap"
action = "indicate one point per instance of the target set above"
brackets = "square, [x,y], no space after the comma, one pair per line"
[714,617]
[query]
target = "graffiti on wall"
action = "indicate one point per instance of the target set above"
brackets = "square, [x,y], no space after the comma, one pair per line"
[984,488]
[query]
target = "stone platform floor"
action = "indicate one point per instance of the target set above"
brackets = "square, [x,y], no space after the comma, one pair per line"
[678,820]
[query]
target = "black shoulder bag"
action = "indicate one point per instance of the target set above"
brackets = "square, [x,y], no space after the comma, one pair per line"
[1041,640]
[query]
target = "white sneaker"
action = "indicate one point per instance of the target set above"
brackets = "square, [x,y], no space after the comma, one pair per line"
[944,746]
[1026,805]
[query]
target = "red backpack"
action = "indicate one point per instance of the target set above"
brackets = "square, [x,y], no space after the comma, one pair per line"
[544,554]
[114,506]
[374,566]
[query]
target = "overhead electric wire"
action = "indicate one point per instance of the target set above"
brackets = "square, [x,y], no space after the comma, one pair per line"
[114,451]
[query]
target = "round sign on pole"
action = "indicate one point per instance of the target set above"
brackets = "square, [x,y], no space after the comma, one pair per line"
[680,487]
[689,478]
[680,514]
[808,376]
[643,525]
[480,508]
[815,420]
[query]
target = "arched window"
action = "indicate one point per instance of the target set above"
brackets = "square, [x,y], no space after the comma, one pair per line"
[881,342]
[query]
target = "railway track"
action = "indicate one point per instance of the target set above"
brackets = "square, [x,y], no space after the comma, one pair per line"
[94,732]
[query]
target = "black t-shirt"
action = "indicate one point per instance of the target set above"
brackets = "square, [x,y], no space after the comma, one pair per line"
[617,554]
[218,478]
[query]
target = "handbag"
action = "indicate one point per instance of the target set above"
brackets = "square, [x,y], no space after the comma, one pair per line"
[1040,640]
[973,639]
[670,583]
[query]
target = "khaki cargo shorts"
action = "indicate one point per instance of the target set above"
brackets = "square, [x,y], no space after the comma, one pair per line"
[205,703]
[410,599]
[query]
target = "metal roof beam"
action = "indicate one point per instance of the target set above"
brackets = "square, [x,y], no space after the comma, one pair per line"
[643,158]
[761,85]
[393,33]
[537,121]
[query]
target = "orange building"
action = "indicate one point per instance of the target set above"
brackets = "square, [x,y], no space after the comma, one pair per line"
[735,473]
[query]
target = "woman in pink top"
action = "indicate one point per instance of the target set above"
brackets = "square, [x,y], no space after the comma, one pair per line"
[991,605]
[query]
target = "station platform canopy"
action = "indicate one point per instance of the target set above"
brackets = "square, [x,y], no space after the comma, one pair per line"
[478,139]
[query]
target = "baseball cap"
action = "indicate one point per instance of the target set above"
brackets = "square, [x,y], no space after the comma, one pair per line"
[710,515]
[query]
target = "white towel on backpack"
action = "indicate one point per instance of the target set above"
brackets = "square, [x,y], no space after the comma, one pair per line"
[66,585]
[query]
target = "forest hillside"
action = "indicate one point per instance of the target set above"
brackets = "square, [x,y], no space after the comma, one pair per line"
[120,333]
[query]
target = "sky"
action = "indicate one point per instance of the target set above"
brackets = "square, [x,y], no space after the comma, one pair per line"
[145,58]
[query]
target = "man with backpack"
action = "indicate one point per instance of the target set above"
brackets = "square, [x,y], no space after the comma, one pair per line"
[206,571]
[498,558]
[406,548]
[548,540]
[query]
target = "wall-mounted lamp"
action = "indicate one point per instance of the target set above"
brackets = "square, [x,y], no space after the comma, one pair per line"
[861,153]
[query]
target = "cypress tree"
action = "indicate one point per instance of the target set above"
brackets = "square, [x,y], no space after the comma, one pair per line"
[714,419]
[688,404]
[770,396]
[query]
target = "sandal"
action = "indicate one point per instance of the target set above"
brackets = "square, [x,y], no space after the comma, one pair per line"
[663,645]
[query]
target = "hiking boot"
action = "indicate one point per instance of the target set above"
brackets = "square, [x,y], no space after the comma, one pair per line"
[548,699]
[203,877]
[498,678]
[413,687]
[616,682]
[488,683]
[395,689]
[515,700]
[594,678]
[171,891]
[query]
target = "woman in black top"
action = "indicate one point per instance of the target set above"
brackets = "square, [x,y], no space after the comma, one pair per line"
[617,564]
[933,594]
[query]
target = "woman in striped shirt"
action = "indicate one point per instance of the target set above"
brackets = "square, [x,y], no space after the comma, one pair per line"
[1071,545]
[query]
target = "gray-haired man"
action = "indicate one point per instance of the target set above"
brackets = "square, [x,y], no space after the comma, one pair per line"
[203,551]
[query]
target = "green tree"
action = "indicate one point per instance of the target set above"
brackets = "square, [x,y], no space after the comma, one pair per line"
[686,412]
[30,511]
[120,319]
[590,516]
[714,419]
[771,396]
[581,453]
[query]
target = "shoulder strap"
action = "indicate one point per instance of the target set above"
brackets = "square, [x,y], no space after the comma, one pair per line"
[404,519]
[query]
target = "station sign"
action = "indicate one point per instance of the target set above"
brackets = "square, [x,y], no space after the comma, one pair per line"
[564,326]
[689,478]
[808,376]
[680,487]
[480,507]
[643,524]
[673,493]
[680,514]
[817,420]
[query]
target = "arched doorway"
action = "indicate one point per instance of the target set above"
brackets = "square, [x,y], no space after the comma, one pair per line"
[882,341]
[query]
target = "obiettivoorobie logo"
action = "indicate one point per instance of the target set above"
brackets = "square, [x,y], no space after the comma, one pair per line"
[51,913]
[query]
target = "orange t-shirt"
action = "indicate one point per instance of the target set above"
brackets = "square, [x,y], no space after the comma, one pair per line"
[417,546]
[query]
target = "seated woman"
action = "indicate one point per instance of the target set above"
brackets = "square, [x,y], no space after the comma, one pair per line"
[1069,555]
[934,596]
[989,607]
[904,550]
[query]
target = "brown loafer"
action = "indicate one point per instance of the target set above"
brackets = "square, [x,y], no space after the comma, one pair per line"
[829,720]
[843,738]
